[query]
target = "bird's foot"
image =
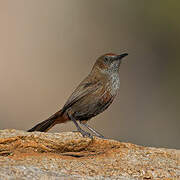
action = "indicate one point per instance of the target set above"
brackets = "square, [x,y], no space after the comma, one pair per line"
[85,134]
[100,136]
[97,134]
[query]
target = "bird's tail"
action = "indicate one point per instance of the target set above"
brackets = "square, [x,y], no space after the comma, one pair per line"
[49,123]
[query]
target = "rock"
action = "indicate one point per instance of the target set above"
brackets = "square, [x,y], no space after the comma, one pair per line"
[35,155]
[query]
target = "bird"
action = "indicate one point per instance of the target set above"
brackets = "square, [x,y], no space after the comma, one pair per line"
[91,97]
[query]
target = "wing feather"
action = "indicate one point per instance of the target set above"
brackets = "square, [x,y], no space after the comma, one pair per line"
[85,88]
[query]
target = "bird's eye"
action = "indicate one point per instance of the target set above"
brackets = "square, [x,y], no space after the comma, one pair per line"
[106,58]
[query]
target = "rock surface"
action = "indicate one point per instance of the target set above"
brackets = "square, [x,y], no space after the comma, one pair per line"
[25,155]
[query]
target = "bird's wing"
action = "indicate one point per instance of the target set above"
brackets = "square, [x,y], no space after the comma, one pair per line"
[85,87]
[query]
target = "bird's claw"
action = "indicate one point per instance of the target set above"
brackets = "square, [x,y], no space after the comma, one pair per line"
[85,134]
[101,136]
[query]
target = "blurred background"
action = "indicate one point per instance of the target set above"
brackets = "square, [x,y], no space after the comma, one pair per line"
[48,47]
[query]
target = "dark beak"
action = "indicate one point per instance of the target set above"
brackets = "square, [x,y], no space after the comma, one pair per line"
[118,57]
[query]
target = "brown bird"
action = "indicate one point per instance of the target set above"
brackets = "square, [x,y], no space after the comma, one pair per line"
[93,95]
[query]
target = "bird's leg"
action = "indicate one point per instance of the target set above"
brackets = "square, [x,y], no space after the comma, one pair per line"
[92,130]
[84,133]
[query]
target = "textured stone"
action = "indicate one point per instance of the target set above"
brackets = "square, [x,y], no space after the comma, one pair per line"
[25,155]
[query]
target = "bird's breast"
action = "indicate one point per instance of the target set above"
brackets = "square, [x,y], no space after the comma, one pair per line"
[114,83]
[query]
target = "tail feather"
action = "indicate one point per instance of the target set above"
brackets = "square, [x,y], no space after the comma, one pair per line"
[48,123]
[43,126]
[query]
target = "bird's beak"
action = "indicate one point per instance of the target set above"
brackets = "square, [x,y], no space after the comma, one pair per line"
[118,57]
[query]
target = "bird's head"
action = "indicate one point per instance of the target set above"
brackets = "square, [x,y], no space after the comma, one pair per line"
[109,62]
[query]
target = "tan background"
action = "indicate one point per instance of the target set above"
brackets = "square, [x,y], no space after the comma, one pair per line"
[47,47]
